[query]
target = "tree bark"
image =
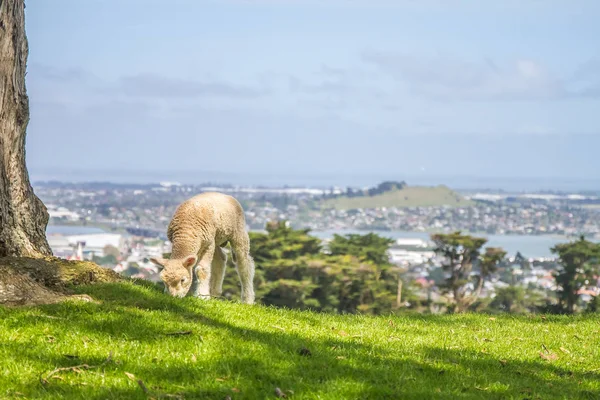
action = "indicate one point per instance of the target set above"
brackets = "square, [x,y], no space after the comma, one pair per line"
[23,216]
[399,294]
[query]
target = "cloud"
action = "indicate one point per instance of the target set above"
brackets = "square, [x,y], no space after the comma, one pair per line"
[59,75]
[48,79]
[585,82]
[337,89]
[447,78]
[150,85]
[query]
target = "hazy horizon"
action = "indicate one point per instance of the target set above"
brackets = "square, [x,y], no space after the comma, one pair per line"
[317,181]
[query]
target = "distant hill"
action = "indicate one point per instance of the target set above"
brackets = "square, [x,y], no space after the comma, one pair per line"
[402,196]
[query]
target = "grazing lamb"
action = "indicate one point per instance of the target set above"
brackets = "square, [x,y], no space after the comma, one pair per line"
[201,226]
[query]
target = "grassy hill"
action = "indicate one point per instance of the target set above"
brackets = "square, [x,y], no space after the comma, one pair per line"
[161,347]
[409,196]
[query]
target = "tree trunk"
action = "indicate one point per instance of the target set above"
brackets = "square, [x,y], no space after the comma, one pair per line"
[473,298]
[23,216]
[399,294]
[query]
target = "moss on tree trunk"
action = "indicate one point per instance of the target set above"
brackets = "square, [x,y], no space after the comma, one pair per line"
[30,281]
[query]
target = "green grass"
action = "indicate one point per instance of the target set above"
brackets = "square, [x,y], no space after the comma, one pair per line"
[245,352]
[410,196]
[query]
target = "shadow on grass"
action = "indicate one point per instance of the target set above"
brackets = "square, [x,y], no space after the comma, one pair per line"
[338,367]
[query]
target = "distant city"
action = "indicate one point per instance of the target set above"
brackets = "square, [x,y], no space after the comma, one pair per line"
[121,226]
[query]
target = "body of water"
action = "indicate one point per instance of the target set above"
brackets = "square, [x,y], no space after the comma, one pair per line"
[529,246]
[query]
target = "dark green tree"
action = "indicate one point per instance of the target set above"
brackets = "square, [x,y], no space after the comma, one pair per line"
[578,262]
[370,247]
[517,300]
[460,252]
[488,264]
[292,271]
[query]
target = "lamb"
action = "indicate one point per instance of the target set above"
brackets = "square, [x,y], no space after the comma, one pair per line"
[199,229]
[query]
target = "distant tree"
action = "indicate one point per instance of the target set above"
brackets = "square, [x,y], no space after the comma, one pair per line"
[460,252]
[293,272]
[282,241]
[594,305]
[488,264]
[23,216]
[578,262]
[110,250]
[108,260]
[522,261]
[516,299]
[369,247]
[386,186]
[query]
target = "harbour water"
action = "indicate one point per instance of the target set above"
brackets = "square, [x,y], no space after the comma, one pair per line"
[530,246]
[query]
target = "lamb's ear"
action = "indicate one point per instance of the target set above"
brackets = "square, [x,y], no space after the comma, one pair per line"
[160,262]
[190,261]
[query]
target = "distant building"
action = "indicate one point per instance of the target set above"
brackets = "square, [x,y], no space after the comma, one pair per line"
[84,246]
[408,251]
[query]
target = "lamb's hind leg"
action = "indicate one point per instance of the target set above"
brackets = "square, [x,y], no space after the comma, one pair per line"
[245,266]
[217,274]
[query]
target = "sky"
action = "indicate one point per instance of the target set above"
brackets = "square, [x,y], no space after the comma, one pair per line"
[324,90]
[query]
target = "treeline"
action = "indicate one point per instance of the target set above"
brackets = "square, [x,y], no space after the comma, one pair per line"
[383,187]
[352,274]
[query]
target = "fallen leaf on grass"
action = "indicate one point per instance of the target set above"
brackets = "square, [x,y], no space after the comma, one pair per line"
[564,350]
[548,357]
[279,393]
[130,376]
[492,319]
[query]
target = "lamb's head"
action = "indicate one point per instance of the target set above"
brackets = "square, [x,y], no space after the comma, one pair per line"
[176,274]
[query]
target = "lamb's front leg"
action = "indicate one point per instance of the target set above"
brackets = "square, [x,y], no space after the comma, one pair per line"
[203,272]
